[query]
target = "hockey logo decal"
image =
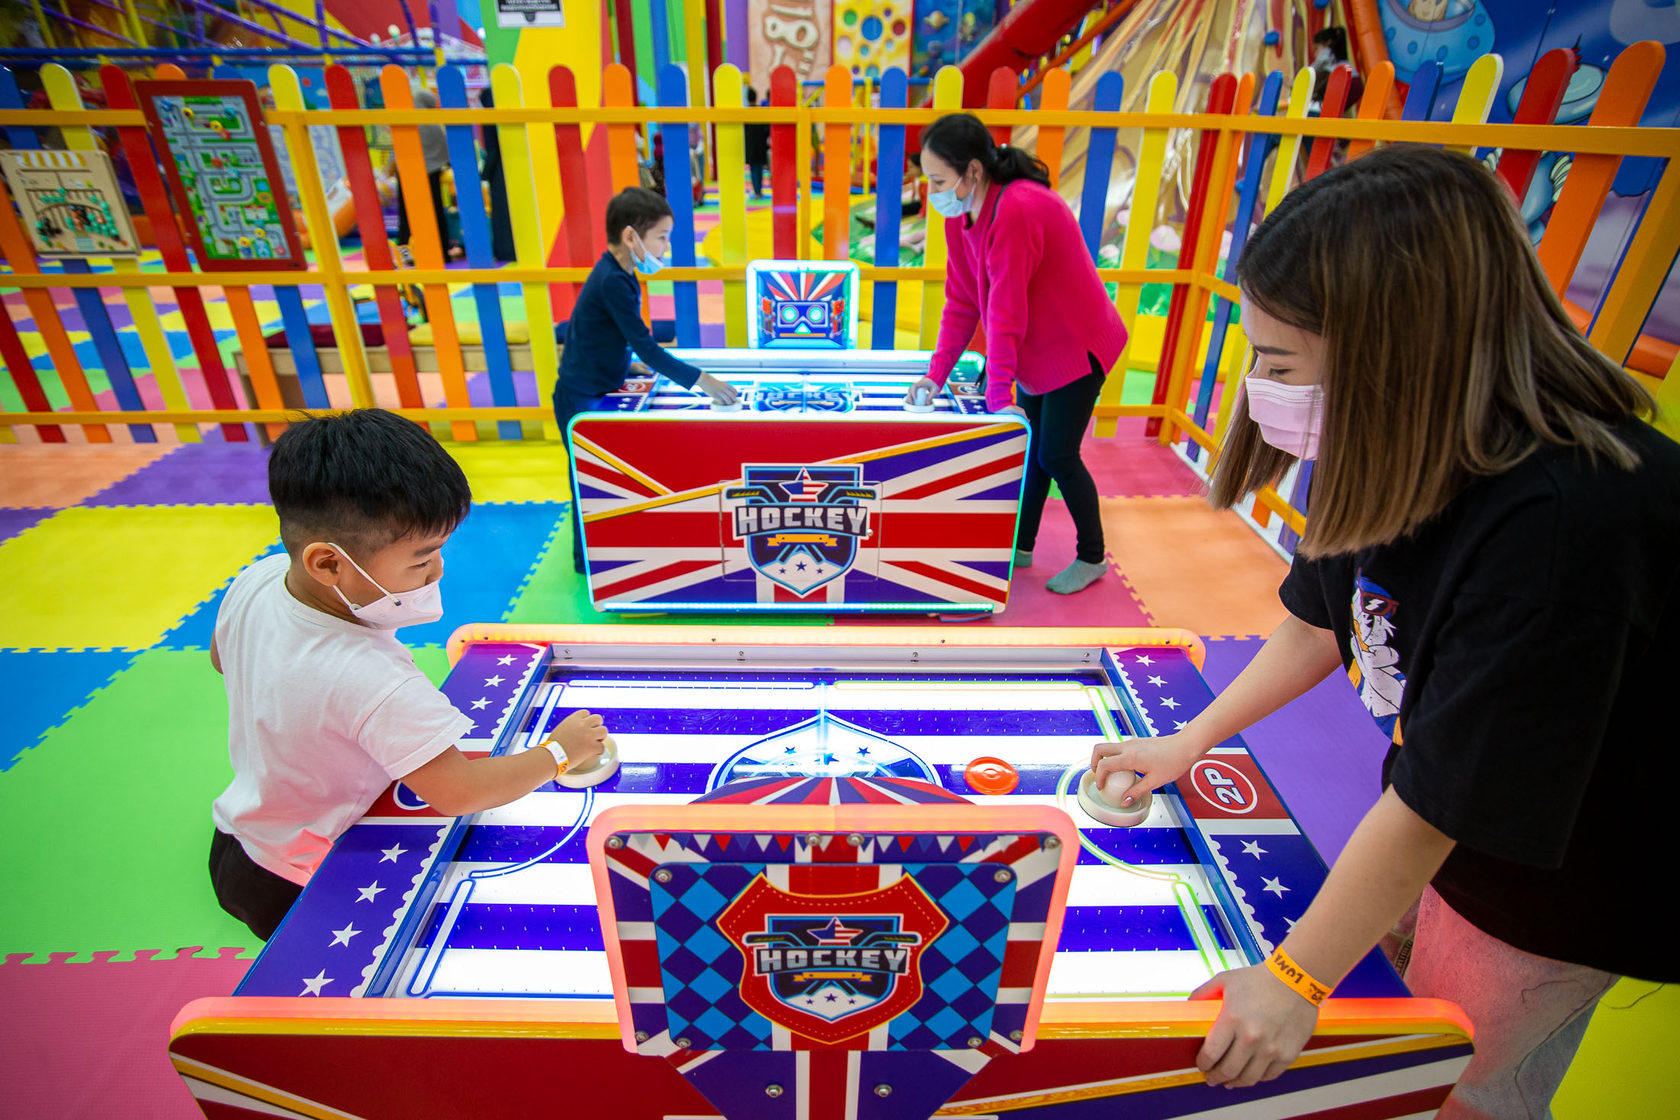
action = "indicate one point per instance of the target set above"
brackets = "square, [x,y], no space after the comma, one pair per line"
[830,967]
[801,524]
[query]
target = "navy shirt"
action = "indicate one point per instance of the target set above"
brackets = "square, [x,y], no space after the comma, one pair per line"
[606,326]
[1518,650]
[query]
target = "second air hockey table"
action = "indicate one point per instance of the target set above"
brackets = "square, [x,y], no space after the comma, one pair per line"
[819,492]
[445,967]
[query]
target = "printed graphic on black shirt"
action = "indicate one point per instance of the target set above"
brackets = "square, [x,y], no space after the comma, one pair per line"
[1375,671]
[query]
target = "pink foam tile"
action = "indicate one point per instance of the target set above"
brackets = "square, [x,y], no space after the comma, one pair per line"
[1132,466]
[1109,601]
[90,1039]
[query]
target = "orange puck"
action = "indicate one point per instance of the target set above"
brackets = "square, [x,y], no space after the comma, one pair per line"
[991,775]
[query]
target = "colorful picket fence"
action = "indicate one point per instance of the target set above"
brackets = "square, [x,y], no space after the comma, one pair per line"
[1246,123]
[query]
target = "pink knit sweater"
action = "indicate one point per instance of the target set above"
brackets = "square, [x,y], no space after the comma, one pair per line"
[1023,271]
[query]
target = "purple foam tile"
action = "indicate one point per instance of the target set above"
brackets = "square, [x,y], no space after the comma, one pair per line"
[208,473]
[712,335]
[15,521]
[1323,752]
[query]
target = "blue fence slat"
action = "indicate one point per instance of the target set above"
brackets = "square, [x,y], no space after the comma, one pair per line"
[1099,163]
[1420,98]
[889,208]
[673,93]
[475,235]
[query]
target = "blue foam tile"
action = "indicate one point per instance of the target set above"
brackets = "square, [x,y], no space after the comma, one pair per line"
[196,630]
[15,521]
[485,563]
[39,690]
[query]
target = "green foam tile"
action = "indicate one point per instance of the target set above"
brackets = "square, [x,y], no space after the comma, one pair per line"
[110,820]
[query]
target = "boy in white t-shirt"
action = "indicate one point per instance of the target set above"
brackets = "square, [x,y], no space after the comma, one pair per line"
[325,706]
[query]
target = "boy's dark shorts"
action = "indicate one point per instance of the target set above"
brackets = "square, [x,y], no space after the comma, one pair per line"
[247,890]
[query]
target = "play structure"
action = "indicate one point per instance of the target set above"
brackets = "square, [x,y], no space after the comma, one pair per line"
[231,210]
[1138,106]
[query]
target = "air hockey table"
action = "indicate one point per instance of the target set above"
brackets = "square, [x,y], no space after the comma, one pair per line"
[820,491]
[450,967]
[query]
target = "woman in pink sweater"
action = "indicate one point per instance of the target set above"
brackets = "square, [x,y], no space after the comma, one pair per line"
[1018,266]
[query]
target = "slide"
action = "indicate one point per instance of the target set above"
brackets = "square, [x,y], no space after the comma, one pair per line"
[1030,30]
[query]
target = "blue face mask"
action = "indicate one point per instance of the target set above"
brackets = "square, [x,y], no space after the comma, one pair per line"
[946,203]
[647,264]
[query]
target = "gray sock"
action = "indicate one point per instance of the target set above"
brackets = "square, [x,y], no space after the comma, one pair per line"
[1077,576]
[1023,559]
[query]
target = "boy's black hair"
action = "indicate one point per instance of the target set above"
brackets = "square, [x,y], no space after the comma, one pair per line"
[363,479]
[752,96]
[636,207]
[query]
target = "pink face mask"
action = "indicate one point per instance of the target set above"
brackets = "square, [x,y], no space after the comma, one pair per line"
[1291,417]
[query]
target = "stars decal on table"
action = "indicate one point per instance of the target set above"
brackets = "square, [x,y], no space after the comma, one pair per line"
[312,985]
[481,703]
[506,659]
[1253,848]
[1275,887]
[492,682]
[391,854]
[1157,681]
[343,936]
[369,892]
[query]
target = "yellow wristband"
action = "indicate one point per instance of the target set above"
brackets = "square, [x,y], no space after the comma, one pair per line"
[1296,977]
[561,762]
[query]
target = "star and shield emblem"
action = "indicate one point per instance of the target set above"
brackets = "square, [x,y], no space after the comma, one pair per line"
[830,967]
[801,524]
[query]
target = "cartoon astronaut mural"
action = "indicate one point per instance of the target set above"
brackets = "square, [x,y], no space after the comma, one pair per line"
[1451,33]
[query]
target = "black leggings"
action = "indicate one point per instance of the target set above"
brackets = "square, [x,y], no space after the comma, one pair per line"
[1058,419]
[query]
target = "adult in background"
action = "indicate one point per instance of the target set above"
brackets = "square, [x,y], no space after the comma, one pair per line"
[758,147]
[1017,265]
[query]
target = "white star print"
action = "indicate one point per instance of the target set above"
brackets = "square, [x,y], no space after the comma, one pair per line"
[1145,659]
[368,892]
[1253,848]
[312,985]
[343,936]
[508,660]
[1275,887]
[1169,702]
[1157,681]
[480,703]
[492,682]
[391,853]
[1178,725]
[1290,922]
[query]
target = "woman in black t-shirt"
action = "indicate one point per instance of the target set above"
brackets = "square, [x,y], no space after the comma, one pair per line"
[1491,555]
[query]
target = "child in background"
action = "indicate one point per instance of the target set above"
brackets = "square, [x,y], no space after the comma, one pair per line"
[325,706]
[1491,554]
[606,324]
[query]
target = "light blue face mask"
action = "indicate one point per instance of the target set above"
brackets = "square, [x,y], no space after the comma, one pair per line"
[647,264]
[946,203]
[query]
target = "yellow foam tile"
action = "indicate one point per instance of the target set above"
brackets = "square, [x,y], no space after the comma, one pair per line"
[32,344]
[514,470]
[1613,1074]
[120,577]
[1194,566]
[37,475]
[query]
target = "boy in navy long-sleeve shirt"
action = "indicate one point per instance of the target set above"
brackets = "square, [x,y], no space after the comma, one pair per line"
[607,325]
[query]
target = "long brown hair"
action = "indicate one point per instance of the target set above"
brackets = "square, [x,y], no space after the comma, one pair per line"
[1447,355]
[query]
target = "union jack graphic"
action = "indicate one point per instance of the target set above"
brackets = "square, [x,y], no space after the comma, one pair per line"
[942,498]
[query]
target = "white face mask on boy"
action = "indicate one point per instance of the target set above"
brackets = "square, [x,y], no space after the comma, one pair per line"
[394,609]
[1291,417]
